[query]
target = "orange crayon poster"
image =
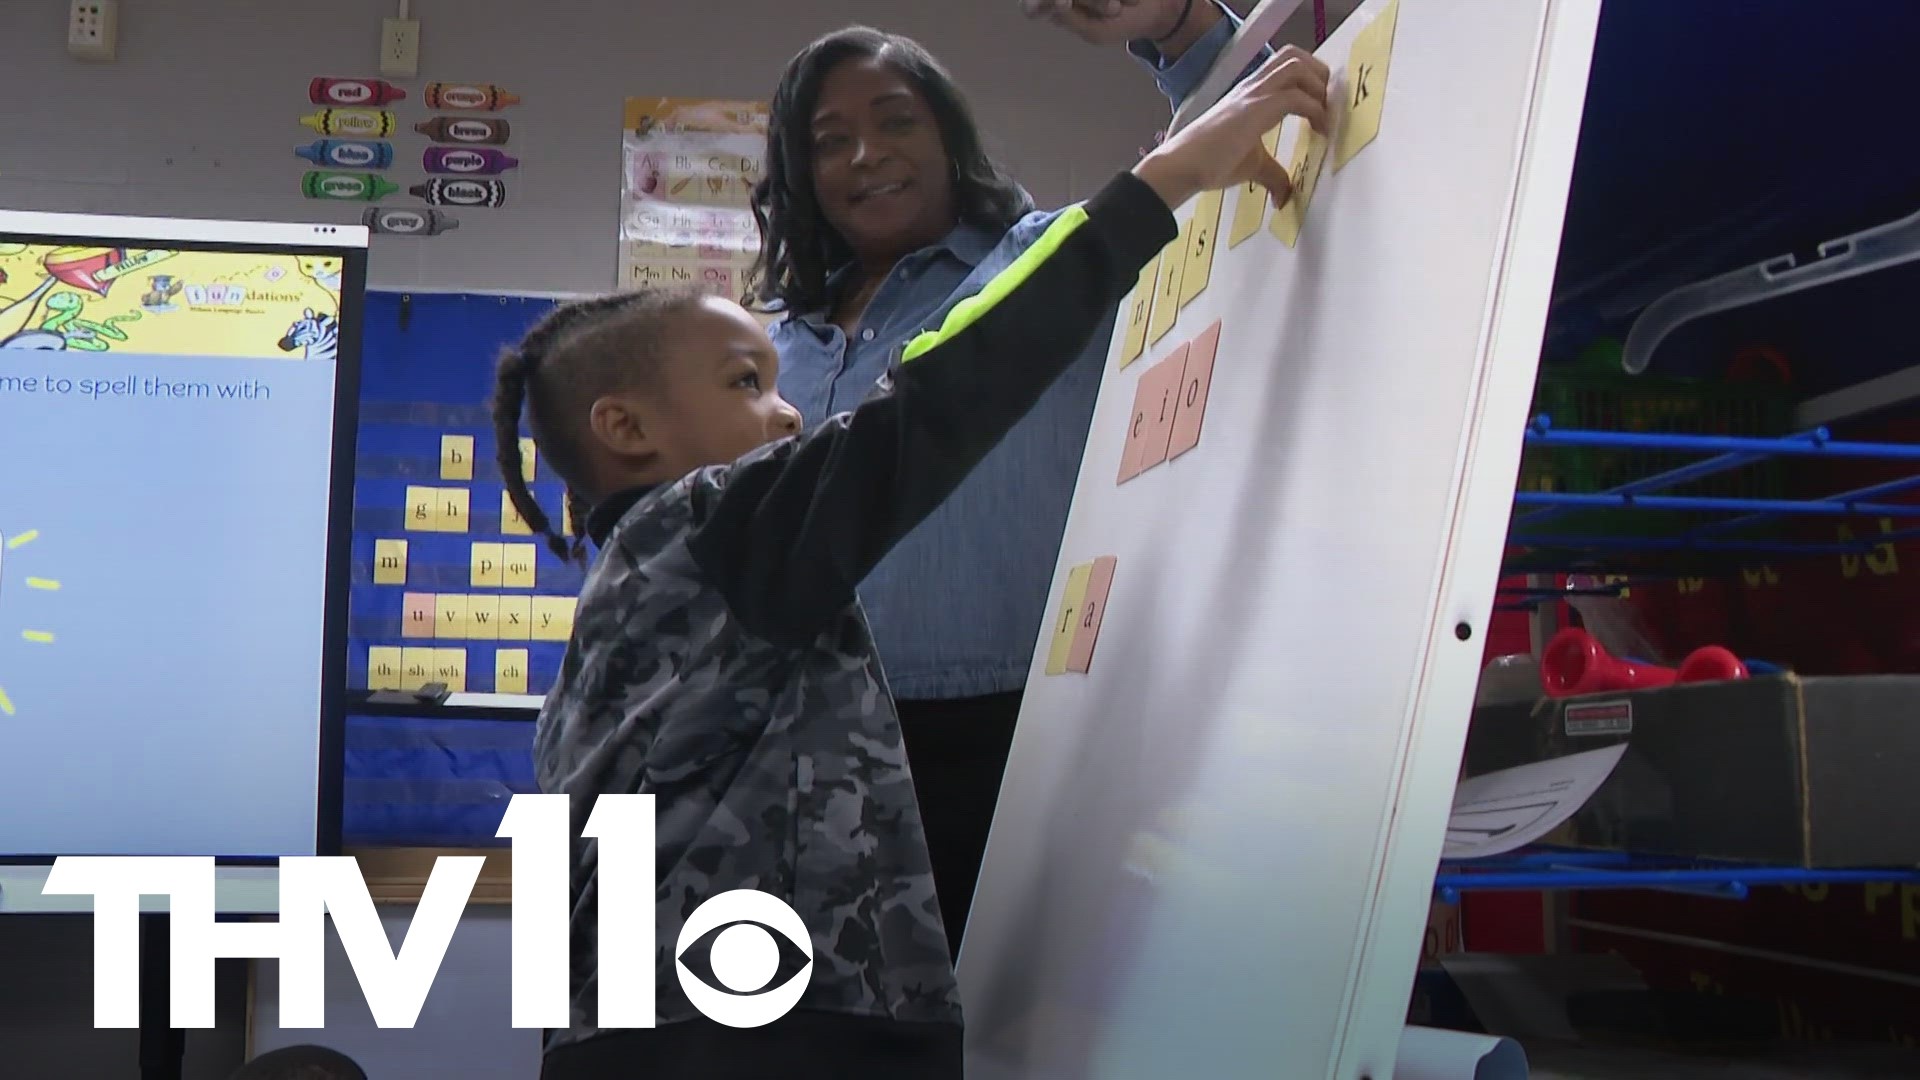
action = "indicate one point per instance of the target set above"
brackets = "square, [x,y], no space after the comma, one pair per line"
[160,302]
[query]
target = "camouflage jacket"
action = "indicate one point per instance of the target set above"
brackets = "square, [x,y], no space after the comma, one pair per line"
[720,660]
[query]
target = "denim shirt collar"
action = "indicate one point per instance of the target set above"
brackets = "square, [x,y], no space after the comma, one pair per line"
[968,243]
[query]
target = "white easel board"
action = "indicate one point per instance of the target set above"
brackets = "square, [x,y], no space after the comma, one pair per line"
[1216,839]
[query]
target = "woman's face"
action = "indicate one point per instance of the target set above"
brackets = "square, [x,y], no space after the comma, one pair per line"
[880,169]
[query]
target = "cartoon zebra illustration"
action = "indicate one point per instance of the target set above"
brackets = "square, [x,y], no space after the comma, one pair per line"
[319,334]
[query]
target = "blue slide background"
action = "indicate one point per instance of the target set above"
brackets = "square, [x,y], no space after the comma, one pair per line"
[177,709]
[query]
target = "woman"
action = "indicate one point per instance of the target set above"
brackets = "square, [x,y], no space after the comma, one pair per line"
[880,210]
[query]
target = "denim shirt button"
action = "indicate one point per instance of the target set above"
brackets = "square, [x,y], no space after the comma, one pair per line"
[867,334]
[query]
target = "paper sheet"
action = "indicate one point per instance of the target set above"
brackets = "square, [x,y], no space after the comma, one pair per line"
[1512,808]
[1435,1054]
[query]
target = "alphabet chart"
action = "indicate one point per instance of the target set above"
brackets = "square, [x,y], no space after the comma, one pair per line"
[495,601]
[450,585]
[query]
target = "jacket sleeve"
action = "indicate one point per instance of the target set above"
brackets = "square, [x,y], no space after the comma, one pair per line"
[788,533]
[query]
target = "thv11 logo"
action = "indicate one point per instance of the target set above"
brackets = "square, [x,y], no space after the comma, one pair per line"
[396,983]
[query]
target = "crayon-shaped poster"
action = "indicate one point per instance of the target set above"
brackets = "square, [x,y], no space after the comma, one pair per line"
[347,153]
[363,187]
[444,192]
[353,123]
[407,221]
[473,132]
[467,97]
[347,93]
[467,161]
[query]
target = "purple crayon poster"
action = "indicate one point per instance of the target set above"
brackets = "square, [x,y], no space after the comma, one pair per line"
[467,160]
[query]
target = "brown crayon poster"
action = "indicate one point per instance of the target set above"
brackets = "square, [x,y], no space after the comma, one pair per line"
[689,166]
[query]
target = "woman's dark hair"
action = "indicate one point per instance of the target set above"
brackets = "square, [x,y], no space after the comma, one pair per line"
[573,356]
[798,249]
[301,1063]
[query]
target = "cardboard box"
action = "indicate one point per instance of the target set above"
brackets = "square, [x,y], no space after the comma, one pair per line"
[1784,770]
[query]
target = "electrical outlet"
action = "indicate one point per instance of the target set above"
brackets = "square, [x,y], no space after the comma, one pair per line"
[93,28]
[400,48]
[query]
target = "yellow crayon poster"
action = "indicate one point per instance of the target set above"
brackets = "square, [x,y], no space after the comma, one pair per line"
[689,168]
[169,303]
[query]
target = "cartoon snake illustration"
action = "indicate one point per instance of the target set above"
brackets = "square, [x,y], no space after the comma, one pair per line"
[63,318]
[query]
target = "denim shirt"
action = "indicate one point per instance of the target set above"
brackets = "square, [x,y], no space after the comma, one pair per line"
[956,609]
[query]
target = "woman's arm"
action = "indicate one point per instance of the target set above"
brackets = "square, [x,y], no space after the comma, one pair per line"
[1179,39]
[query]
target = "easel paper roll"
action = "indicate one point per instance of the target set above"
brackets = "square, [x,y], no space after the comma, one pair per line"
[1437,1054]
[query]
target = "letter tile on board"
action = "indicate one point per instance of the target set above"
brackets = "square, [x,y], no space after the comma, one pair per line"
[1138,420]
[1364,95]
[416,668]
[1251,201]
[1067,622]
[1203,231]
[1190,403]
[383,668]
[418,616]
[1093,607]
[516,618]
[1139,308]
[1309,153]
[451,615]
[511,523]
[488,569]
[518,563]
[450,667]
[454,509]
[527,454]
[483,617]
[1160,408]
[456,457]
[423,506]
[389,562]
[552,618]
[1166,293]
[510,671]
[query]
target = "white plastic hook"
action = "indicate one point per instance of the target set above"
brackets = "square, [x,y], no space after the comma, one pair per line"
[1863,252]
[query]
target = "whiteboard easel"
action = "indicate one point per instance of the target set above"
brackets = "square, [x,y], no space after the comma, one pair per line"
[1214,850]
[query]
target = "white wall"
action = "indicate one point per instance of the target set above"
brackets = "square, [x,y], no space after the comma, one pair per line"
[199,114]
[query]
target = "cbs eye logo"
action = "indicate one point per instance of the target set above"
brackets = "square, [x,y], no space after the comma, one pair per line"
[744,957]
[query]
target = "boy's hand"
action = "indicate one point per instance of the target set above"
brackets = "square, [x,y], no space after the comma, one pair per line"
[1223,147]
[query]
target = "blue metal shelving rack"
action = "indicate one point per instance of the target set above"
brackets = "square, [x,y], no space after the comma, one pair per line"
[1737,533]
[1570,869]
[1720,454]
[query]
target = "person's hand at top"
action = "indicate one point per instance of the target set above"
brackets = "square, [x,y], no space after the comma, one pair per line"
[1223,147]
[1172,25]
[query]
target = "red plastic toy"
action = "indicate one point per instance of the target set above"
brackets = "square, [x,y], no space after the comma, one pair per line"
[1575,663]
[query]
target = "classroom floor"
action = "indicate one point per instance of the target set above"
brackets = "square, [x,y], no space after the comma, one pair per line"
[1551,1061]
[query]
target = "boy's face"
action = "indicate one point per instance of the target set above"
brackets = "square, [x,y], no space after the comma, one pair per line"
[716,396]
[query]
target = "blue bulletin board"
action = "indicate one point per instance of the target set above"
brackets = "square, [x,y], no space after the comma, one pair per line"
[448,583]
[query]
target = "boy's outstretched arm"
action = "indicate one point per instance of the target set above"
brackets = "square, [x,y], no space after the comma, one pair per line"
[789,532]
